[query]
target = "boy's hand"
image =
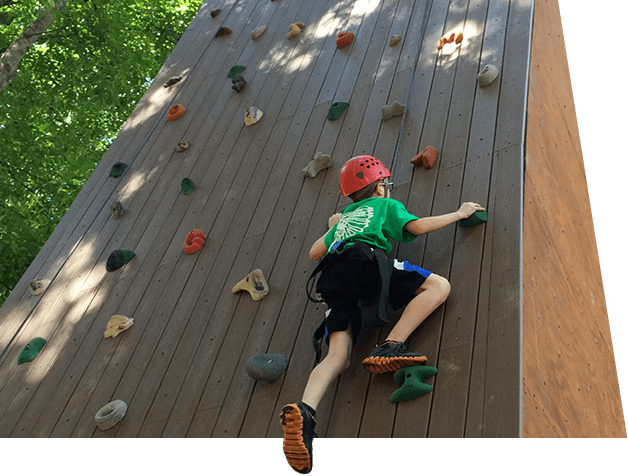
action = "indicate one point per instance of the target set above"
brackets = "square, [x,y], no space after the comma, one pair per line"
[335,218]
[469,208]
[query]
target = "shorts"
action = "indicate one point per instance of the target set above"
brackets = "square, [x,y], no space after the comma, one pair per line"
[406,279]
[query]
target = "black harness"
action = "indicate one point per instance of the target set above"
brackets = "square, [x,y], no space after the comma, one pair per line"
[350,275]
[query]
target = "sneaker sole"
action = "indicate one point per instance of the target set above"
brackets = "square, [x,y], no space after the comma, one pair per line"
[293,446]
[380,365]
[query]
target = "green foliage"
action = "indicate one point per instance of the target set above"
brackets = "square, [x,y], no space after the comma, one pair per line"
[73,92]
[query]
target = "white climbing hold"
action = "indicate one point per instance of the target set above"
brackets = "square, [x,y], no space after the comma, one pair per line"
[109,415]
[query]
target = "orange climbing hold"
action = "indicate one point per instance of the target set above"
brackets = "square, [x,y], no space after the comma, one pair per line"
[344,39]
[193,241]
[426,157]
[459,38]
[175,112]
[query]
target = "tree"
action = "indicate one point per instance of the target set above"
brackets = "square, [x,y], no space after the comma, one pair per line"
[14,53]
[72,91]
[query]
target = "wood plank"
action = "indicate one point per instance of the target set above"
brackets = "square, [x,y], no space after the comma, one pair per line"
[566,336]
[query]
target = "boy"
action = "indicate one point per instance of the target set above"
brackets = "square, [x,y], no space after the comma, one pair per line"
[357,281]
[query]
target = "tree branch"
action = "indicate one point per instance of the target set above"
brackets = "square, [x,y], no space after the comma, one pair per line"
[11,58]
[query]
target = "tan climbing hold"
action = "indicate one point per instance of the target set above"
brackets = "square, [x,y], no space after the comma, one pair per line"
[394,40]
[295,29]
[117,324]
[38,286]
[259,31]
[254,284]
[392,110]
[319,162]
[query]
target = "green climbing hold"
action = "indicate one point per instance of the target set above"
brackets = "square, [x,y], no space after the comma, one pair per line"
[235,70]
[117,169]
[481,216]
[32,350]
[336,110]
[119,258]
[411,380]
[187,186]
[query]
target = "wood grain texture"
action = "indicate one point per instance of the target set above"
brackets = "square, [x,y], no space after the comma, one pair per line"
[570,381]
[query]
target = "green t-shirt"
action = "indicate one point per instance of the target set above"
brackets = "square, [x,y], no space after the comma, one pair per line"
[375,221]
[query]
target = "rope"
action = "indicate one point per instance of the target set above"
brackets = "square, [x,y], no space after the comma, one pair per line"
[405,111]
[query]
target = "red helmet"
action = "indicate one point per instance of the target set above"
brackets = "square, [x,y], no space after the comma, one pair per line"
[359,172]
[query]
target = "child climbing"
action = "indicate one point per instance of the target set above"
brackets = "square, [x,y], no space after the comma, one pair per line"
[357,282]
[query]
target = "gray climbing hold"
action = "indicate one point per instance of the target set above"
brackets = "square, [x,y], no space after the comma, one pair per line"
[266,367]
[109,415]
[488,74]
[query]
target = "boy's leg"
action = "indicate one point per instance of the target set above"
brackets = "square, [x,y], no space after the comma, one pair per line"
[297,419]
[392,354]
[335,362]
[429,296]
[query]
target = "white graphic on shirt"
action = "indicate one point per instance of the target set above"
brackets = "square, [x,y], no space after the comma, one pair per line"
[353,223]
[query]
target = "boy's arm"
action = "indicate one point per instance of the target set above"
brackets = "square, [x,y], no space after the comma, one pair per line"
[319,249]
[428,224]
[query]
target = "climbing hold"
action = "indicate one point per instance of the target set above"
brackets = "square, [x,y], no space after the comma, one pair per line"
[254,284]
[31,350]
[266,367]
[117,324]
[295,29]
[117,169]
[440,44]
[187,186]
[214,12]
[481,216]
[319,162]
[237,69]
[109,415]
[223,31]
[252,115]
[426,157]
[394,40]
[193,241]
[182,146]
[451,38]
[259,31]
[411,380]
[487,75]
[116,210]
[173,80]
[459,38]
[392,110]
[344,39]
[175,112]
[38,286]
[238,83]
[336,110]
[119,258]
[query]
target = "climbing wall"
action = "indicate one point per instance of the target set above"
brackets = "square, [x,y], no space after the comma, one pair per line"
[180,366]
